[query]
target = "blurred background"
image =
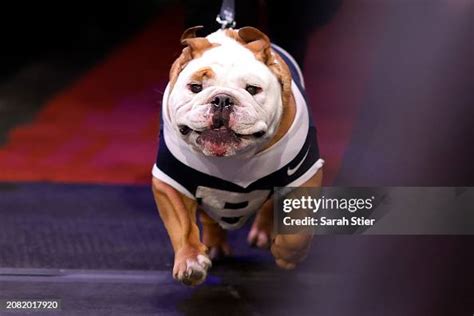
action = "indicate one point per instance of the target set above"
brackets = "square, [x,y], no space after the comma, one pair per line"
[390,84]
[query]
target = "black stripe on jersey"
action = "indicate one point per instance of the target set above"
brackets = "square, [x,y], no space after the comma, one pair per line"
[235,206]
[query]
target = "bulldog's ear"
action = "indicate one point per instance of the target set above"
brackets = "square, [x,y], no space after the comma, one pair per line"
[197,45]
[260,45]
[256,41]
[190,33]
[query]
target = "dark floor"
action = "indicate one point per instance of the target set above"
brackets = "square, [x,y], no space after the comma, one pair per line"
[155,293]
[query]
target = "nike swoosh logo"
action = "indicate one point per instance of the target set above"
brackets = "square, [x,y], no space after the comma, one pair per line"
[291,171]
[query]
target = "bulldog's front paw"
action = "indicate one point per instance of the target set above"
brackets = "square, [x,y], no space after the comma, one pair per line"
[289,250]
[190,266]
[215,239]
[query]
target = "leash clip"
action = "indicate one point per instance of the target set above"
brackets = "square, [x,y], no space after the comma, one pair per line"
[225,24]
[226,16]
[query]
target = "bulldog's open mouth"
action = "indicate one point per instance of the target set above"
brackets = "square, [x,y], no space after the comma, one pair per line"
[219,141]
[219,134]
[222,135]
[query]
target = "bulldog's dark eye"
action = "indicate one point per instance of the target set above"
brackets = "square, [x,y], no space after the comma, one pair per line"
[259,134]
[183,129]
[195,87]
[253,90]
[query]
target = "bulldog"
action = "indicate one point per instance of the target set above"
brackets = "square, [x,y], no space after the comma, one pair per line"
[235,125]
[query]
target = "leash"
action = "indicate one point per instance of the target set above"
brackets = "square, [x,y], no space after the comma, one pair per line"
[226,16]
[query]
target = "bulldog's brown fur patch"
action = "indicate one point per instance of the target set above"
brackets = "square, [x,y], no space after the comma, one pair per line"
[203,74]
[234,34]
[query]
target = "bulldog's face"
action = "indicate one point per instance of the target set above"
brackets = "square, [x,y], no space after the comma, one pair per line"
[227,92]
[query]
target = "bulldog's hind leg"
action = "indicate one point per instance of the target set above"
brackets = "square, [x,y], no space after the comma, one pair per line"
[260,233]
[179,216]
[214,237]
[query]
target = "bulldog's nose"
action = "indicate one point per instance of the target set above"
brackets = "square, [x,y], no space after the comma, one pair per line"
[222,100]
[222,107]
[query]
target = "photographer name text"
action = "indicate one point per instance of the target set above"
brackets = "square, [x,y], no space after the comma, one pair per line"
[311,206]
